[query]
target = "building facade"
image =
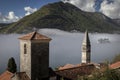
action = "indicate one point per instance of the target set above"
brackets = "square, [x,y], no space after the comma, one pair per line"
[34,56]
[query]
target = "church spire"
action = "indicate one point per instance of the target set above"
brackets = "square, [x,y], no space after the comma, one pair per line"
[86,40]
[86,49]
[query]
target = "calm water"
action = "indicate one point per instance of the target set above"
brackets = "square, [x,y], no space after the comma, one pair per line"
[64,48]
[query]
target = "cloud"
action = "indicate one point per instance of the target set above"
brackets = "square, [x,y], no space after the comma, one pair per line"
[11,17]
[85,5]
[29,10]
[111,9]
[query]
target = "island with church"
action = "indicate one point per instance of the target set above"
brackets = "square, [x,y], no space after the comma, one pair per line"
[34,62]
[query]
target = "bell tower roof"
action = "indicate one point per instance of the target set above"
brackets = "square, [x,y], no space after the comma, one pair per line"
[86,40]
[34,36]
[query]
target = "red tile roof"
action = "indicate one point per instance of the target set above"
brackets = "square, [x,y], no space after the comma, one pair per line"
[66,66]
[115,65]
[73,73]
[34,36]
[6,75]
[22,76]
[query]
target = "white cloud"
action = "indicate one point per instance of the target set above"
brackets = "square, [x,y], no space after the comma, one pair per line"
[111,9]
[29,10]
[11,17]
[85,5]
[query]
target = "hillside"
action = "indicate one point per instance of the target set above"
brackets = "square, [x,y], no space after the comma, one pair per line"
[63,16]
[3,24]
[117,21]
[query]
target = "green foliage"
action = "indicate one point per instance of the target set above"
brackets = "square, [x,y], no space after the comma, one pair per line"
[116,58]
[12,65]
[3,24]
[63,16]
[107,74]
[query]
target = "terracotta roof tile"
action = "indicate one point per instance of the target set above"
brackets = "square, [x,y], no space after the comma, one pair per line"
[34,36]
[66,66]
[72,73]
[115,65]
[6,75]
[22,76]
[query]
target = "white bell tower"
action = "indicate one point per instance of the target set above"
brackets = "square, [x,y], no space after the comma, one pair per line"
[86,49]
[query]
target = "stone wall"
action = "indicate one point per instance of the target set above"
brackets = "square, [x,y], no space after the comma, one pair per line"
[39,60]
[25,59]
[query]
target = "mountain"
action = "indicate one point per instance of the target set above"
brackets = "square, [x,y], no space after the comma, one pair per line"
[3,24]
[63,16]
[117,21]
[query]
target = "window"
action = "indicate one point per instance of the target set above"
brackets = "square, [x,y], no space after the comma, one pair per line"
[84,48]
[25,49]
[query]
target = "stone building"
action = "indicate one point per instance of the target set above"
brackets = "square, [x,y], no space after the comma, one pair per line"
[34,56]
[86,49]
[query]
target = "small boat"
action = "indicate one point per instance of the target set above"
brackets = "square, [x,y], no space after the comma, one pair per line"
[103,40]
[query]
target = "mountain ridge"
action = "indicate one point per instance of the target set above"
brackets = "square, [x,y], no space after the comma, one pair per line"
[117,21]
[63,16]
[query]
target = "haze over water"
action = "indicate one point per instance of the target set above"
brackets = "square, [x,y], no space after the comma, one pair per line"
[65,47]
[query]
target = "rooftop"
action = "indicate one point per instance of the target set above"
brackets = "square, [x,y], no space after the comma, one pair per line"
[34,36]
[86,40]
[6,75]
[115,65]
[72,73]
[21,76]
[67,66]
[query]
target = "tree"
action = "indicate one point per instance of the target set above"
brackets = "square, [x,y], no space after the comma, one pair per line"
[12,65]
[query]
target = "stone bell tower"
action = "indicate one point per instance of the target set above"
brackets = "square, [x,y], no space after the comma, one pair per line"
[86,49]
[34,56]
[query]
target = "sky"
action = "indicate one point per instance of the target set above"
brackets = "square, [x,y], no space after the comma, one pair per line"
[14,10]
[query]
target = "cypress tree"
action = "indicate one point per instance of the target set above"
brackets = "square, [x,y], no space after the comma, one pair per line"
[12,65]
